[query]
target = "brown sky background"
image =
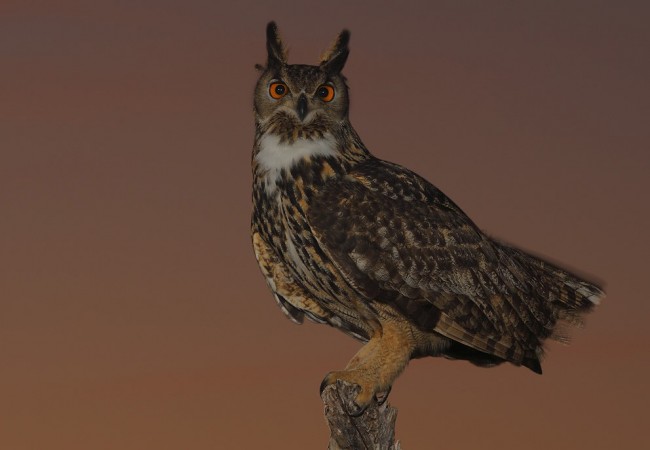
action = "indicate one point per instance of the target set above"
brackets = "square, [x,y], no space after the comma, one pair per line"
[132,312]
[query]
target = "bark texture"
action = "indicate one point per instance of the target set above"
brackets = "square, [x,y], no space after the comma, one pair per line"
[374,429]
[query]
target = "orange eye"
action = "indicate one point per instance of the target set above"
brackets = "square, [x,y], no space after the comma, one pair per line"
[326,93]
[278,90]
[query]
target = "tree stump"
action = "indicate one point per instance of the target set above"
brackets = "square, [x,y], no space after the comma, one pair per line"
[374,429]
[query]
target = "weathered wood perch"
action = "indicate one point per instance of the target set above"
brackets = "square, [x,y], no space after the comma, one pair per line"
[373,430]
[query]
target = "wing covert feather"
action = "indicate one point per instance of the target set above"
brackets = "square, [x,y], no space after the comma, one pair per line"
[393,234]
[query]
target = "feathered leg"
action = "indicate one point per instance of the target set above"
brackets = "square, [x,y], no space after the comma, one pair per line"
[376,365]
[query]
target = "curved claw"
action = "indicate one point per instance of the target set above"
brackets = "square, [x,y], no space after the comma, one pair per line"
[381,397]
[326,382]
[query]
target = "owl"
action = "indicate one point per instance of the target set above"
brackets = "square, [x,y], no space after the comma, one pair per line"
[371,248]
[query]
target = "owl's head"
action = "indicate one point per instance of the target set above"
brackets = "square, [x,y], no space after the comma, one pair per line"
[296,100]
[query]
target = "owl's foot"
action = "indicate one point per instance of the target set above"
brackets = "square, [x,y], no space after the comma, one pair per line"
[366,389]
[375,366]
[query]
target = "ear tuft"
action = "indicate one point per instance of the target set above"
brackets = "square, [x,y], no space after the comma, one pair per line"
[334,58]
[277,54]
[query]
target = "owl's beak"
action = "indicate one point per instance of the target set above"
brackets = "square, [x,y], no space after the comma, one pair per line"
[301,107]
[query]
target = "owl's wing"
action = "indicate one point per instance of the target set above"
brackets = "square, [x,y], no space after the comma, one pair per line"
[396,238]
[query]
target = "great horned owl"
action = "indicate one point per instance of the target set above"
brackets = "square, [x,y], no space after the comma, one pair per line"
[375,250]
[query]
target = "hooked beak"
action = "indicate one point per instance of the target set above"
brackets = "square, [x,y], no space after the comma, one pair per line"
[301,107]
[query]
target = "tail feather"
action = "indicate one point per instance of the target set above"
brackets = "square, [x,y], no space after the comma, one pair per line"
[571,290]
[569,296]
[540,301]
[586,291]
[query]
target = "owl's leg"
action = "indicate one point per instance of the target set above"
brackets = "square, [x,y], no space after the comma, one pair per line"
[376,365]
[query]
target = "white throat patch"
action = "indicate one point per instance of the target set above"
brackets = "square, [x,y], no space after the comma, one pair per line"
[274,156]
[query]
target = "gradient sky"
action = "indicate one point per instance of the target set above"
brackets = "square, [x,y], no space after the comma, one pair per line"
[132,311]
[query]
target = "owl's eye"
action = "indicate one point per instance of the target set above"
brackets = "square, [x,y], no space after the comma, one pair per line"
[278,90]
[326,93]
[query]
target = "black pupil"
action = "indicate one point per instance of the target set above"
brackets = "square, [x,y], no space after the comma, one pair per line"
[323,92]
[279,89]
